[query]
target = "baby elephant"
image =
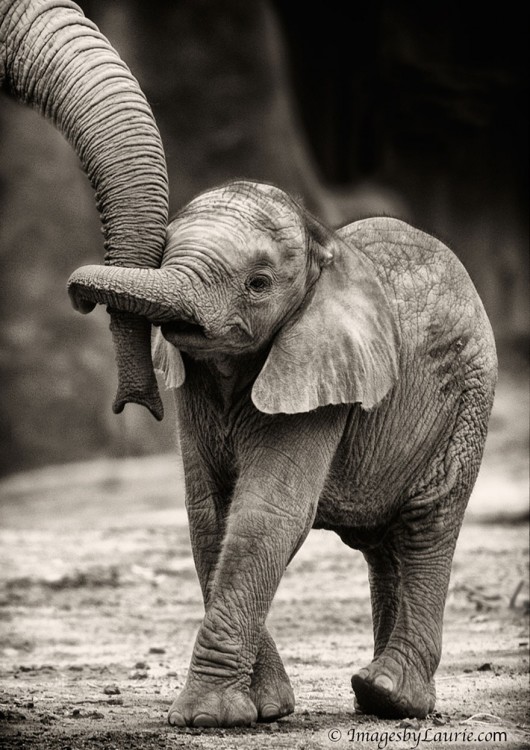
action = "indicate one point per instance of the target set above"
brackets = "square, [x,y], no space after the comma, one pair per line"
[331,380]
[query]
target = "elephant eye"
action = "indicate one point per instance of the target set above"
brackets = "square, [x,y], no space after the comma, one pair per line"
[258,282]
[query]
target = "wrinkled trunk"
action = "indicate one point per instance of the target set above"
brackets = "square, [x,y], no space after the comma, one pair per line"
[55,59]
[161,295]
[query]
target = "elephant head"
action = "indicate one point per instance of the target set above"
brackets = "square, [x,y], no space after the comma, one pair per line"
[247,271]
[56,60]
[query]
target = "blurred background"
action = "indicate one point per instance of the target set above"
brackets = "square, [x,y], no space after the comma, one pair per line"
[416,110]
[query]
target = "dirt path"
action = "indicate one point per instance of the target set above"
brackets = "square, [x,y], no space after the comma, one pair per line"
[98,625]
[99,606]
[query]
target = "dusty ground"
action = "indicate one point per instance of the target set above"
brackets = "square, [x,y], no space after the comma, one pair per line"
[99,605]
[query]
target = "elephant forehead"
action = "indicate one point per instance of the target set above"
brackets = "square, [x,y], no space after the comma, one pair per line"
[242,236]
[263,206]
[247,198]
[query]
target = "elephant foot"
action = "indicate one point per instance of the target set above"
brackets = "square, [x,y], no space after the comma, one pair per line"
[213,708]
[387,690]
[271,692]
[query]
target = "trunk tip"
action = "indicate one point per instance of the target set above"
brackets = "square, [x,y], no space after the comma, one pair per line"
[80,303]
[152,403]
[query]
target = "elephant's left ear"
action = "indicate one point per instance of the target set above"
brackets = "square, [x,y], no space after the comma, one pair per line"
[342,347]
[167,361]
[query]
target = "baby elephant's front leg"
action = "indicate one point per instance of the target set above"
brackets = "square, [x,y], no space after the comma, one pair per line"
[270,688]
[272,510]
[264,529]
[259,541]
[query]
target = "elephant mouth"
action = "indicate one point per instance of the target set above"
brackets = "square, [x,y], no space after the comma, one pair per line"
[184,334]
[196,338]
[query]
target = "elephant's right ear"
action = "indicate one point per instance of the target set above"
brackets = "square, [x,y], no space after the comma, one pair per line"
[167,361]
[342,346]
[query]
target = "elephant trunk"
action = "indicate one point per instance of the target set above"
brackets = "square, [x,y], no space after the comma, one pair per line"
[55,59]
[138,296]
[162,295]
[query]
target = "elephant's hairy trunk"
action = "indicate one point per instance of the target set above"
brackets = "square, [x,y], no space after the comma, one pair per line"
[55,59]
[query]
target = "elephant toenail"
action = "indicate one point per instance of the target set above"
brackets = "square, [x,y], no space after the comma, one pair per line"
[363,674]
[357,706]
[205,720]
[176,719]
[269,712]
[384,683]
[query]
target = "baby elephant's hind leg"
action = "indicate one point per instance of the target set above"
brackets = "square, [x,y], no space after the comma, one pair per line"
[399,681]
[407,611]
[384,573]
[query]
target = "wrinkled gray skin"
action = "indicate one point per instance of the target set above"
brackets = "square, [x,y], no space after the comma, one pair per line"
[56,60]
[328,380]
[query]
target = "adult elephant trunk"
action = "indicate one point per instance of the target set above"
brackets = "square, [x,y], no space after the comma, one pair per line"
[162,295]
[56,60]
